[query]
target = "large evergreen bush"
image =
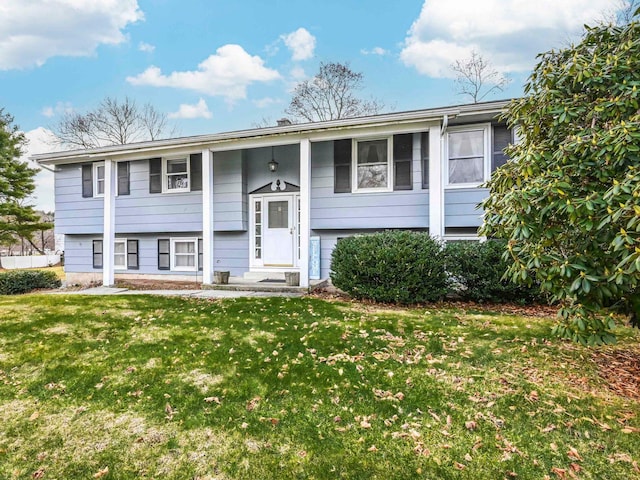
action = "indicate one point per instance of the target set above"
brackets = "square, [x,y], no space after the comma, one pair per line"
[23,281]
[477,269]
[393,267]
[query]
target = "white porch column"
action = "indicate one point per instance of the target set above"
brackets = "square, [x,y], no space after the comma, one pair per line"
[207,217]
[305,209]
[436,185]
[109,227]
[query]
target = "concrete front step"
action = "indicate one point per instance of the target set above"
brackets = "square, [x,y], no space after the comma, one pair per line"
[242,284]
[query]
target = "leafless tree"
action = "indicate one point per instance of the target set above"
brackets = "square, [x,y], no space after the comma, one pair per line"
[112,123]
[330,95]
[626,11]
[476,77]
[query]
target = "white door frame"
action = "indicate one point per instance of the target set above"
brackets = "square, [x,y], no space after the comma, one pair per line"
[257,264]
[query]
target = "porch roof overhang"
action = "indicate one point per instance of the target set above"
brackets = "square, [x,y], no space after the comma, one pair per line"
[268,136]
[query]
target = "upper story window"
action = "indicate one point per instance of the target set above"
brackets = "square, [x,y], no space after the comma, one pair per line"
[372,167]
[467,156]
[98,179]
[176,175]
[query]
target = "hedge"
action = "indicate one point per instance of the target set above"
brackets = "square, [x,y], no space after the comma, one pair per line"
[23,281]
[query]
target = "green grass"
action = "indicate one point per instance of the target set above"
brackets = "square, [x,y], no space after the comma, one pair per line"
[125,387]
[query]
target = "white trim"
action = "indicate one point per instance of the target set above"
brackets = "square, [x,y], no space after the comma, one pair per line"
[165,175]
[354,165]
[257,264]
[172,254]
[109,223]
[305,212]
[96,180]
[486,167]
[124,242]
[436,191]
[207,217]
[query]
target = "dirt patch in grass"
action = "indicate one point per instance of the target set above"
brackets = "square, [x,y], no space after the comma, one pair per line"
[621,371]
[158,285]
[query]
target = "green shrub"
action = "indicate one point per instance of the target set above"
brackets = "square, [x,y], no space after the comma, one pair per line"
[477,269]
[393,267]
[23,281]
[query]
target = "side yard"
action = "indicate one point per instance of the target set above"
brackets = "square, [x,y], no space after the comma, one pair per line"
[125,387]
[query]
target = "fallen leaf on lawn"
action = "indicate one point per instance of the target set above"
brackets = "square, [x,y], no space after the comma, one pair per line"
[337,419]
[533,396]
[253,403]
[39,473]
[470,425]
[575,467]
[365,424]
[101,473]
[459,466]
[212,400]
[573,453]
[560,472]
[244,425]
[34,416]
[629,430]
[468,457]
[620,457]
[302,453]
[372,448]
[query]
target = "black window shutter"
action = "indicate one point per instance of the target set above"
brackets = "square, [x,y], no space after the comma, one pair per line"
[97,254]
[424,154]
[501,138]
[402,161]
[342,166]
[196,171]
[155,175]
[87,180]
[164,254]
[200,255]
[132,255]
[123,178]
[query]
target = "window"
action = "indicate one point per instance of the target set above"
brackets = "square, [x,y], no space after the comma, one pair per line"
[467,153]
[184,254]
[97,254]
[403,161]
[93,179]
[372,165]
[164,254]
[258,229]
[176,175]
[501,139]
[424,155]
[125,254]
[342,159]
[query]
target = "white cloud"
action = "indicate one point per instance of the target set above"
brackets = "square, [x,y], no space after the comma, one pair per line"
[227,73]
[374,51]
[59,108]
[33,31]
[509,33]
[146,47]
[41,141]
[265,102]
[301,43]
[298,73]
[199,110]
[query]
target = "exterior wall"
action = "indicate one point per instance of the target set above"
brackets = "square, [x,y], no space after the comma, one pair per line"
[336,211]
[258,174]
[461,207]
[229,191]
[144,212]
[231,252]
[75,214]
[178,212]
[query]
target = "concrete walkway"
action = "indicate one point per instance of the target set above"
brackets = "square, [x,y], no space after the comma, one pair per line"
[179,293]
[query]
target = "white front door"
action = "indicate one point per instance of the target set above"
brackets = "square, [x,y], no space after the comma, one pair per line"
[278,231]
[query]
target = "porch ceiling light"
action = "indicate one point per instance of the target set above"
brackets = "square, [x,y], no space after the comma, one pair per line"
[273,165]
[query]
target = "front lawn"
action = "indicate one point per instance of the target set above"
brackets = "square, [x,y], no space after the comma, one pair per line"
[124,387]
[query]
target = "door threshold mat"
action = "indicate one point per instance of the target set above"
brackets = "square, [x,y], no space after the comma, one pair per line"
[272,280]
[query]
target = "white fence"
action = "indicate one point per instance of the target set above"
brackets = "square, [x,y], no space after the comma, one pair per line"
[29,261]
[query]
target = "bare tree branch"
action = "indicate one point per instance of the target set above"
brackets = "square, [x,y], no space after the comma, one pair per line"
[476,78]
[331,95]
[112,123]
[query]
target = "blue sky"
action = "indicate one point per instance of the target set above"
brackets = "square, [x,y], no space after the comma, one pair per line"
[224,65]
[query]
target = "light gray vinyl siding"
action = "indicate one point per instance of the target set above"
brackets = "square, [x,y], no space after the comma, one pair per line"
[461,207]
[258,174]
[229,191]
[337,211]
[144,212]
[75,214]
[231,252]
[78,252]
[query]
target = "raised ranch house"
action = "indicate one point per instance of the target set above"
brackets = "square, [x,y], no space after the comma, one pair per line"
[261,202]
